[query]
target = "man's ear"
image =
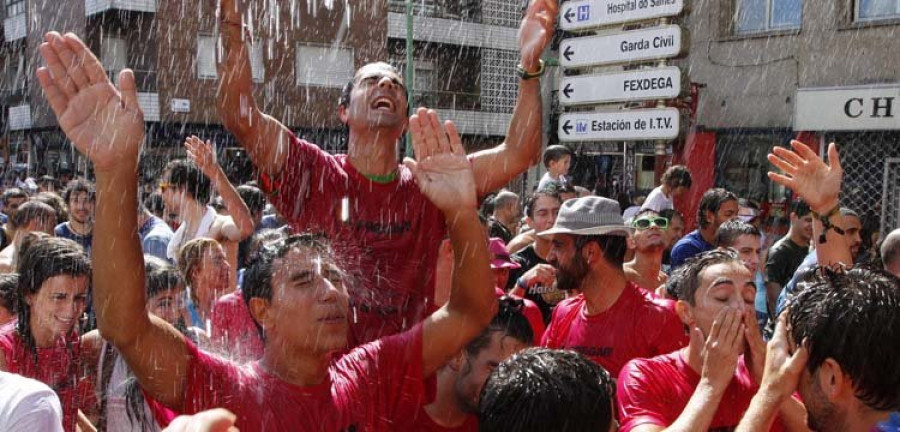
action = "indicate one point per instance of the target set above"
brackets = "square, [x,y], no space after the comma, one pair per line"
[685,312]
[630,242]
[835,384]
[259,310]
[456,363]
[342,113]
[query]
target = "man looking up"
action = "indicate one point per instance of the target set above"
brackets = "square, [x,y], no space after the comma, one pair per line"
[368,205]
[650,241]
[716,207]
[80,196]
[504,222]
[302,310]
[612,321]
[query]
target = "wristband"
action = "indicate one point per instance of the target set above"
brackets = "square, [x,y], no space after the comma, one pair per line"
[525,75]
[826,223]
[521,284]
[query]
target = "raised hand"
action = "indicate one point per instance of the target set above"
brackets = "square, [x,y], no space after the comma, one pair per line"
[202,153]
[722,347]
[807,174]
[104,123]
[536,30]
[441,168]
[783,368]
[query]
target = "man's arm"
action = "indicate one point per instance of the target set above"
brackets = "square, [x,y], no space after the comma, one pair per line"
[497,166]
[240,224]
[445,177]
[107,125]
[265,139]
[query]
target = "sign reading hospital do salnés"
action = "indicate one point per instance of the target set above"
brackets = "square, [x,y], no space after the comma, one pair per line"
[587,14]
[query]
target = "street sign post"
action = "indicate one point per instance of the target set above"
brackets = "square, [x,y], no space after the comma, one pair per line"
[633,85]
[626,125]
[631,46]
[579,15]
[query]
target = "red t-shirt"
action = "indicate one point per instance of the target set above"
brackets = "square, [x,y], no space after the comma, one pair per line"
[59,367]
[366,390]
[390,237]
[656,391]
[421,421]
[233,329]
[634,327]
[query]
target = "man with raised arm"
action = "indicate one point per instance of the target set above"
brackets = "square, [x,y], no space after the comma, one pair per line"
[364,201]
[302,308]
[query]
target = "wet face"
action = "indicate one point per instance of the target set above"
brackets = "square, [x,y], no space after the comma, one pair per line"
[727,211]
[172,196]
[652,238]
[309,304]
[802,226]
[378,99]
[726,285]
[58,305]
[212,277]
[853,233]
[475,370]
[81,207]
[571,267]
[675,231]
[747,247]
[545,211]
[167,305]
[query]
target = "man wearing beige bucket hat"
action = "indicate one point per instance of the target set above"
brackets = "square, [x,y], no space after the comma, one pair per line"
[612,320]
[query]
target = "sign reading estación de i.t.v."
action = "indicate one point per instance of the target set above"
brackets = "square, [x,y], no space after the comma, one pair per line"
[586,14]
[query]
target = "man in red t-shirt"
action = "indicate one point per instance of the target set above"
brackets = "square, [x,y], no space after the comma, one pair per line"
[709,384]
[380,225]
[303,308]
[612,321]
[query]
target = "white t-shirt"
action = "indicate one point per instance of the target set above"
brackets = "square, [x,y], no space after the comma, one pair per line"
[658,201]
[546,180]
[27,405]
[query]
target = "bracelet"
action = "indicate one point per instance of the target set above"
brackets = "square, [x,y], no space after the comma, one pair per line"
[826,223]
[521,284]
[525,75]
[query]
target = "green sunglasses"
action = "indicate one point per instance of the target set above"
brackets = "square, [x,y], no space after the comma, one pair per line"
[646,223]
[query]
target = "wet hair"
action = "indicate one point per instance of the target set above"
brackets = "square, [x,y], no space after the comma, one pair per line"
[504,198]
[510,321]
[647,211]
[671,214]
[614,247]
[729,232]
[42,259]
[78,186]
[540,389]
[890,249]
[184,173]
[556,152]
[160,275]
[9,283]
[688,276]
[31,211]
[712,201]
[13,193]
[59,205]
[800,208]
[677,176]
[852,317]
[155,205]
[253,197]
[258,277]
[532,200]
[191,255]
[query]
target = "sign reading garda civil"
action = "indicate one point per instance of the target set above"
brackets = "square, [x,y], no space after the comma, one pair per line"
[634,85]
[586,14]
[874,107]
[631,46]
[643,124]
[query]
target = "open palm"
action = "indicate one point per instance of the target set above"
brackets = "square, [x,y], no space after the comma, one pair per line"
[536,30]
[442,171]
[805,173]
[104,123]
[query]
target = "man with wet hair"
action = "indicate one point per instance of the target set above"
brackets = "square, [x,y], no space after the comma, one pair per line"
[503,223]
[890,252]
[716,207]
[540,389]
[364,201]
[80,196]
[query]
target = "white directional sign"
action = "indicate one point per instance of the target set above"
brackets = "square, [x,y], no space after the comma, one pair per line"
[634,85]
[586,14]
[644,124]
[638,45]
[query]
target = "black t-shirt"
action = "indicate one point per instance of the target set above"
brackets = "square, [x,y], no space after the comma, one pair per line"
[545,297]
[499,230]
[785,257]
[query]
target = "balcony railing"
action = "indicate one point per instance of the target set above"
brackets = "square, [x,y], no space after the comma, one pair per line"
[92,7]
[447,100]
[468,11]
[145,80]
[15,27]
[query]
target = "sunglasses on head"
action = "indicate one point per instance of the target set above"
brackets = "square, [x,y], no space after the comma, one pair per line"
[647,222]
[164,186]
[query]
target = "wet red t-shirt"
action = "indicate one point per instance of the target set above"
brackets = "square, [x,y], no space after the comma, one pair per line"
[368,389]
[634,326]
[657,390]
[387,234]
[59,367]
[233,330]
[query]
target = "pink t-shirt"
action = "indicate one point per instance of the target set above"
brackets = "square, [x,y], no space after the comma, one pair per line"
[59,367]
[388,234]
[657,390]
[635,326]
[233,329]
[368,389]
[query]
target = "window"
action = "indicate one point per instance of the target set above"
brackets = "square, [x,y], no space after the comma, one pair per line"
[424,86]
[113,55]
[14,7]
[324,66]
[869,10]
[206,57]
[14,70]
[755,16]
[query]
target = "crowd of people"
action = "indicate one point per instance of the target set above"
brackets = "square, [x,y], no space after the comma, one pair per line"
[355,293]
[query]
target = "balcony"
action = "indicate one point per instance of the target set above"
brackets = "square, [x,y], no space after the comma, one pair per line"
[145,80]
[20,117]
[478,122]
[14,28]
[446,100]
[434,25]
[93,7]
[456,10]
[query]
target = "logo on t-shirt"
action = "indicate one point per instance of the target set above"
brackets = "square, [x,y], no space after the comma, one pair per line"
[550,294]
[593,351]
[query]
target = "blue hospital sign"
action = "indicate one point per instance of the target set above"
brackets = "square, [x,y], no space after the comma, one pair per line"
[584,12]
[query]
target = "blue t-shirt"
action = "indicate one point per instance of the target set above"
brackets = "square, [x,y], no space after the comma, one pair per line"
[689,246]
[809,262]
[155,237]
[63,230]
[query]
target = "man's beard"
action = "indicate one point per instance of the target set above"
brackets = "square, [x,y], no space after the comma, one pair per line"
[569,278]
[822,415]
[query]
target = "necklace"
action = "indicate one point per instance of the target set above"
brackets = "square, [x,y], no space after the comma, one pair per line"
[387,178]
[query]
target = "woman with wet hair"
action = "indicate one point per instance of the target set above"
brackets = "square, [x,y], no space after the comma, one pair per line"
[43,342]
[206,271]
